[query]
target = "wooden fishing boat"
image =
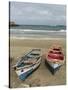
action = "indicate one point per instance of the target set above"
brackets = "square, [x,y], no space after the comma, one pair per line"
[54,58]
[28,63]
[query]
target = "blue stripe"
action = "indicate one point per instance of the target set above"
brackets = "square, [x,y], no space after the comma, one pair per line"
[24,76]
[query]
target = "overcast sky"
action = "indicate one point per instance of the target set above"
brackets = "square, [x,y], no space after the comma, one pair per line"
[37,14]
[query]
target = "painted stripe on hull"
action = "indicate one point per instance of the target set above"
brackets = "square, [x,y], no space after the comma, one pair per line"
[26,74]
[54,65]
[23,76]
[29,68]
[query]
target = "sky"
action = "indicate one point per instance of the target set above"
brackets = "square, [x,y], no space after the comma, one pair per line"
[37,14]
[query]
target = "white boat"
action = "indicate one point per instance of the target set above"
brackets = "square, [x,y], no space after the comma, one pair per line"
[28,63]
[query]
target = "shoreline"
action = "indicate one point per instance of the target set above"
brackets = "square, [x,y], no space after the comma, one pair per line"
[37,38]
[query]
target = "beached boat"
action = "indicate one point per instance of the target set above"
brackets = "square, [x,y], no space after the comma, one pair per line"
[28,63]
[54,58]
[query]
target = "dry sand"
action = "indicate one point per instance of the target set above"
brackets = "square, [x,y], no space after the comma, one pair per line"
[42,76]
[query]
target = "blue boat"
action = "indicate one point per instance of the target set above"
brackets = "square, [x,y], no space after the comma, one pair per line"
[28,63]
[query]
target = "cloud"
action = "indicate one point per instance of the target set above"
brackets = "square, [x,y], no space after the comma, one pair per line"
[33,13]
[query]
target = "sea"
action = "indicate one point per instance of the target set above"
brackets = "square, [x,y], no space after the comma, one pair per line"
[37,31]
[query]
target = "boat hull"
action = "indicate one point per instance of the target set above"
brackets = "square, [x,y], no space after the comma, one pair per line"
[27,71]
[53,67]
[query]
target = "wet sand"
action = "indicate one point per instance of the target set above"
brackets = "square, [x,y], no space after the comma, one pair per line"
[42,76]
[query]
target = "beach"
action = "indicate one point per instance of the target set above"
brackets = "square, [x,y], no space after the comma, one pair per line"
[42,76]
[37,26]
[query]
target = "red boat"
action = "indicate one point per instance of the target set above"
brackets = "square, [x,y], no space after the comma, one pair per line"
[55,57]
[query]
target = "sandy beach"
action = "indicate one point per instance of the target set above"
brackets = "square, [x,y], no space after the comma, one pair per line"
[42,76]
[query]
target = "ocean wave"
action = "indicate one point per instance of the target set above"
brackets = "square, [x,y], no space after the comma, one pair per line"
[62,30]
[31,30]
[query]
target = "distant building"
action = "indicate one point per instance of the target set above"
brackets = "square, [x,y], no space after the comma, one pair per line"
[12,23]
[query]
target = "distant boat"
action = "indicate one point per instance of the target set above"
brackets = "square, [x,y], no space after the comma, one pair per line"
[28,63]
[54,58]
